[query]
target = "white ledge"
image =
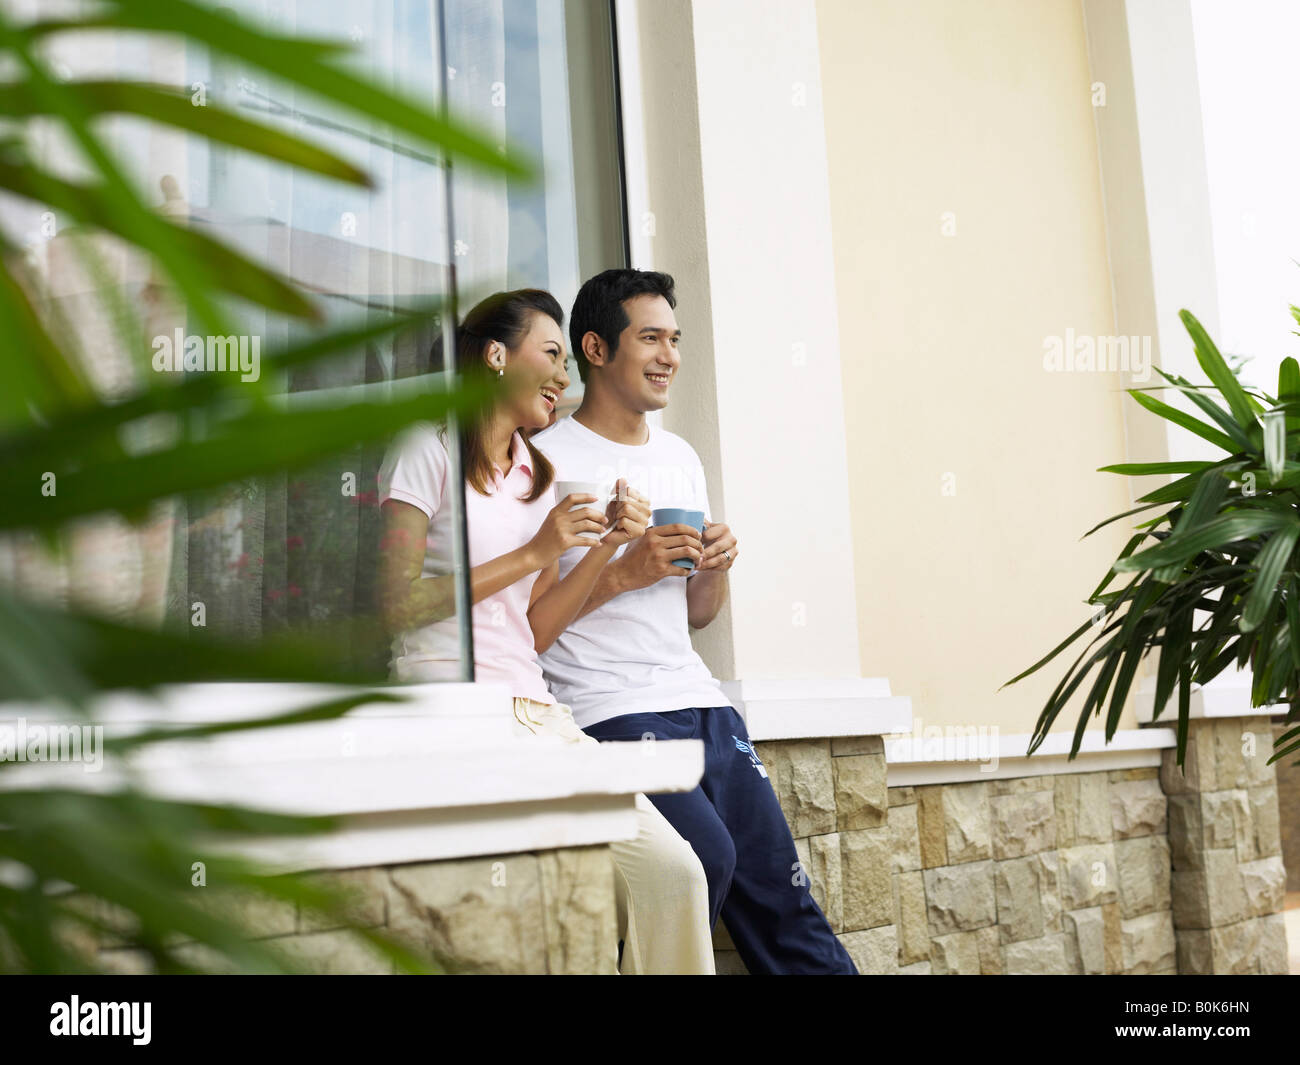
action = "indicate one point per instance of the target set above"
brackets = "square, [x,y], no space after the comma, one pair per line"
[454,711]
[525,769]
[959,756]
[1227,695]
[814,707]
[443,776]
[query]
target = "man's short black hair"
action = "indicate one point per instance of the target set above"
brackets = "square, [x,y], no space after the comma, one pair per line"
[598,307]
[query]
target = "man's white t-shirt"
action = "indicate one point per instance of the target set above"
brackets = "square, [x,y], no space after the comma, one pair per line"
[632,654]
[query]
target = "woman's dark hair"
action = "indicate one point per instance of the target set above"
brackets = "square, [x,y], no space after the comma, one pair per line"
[505,317]
[598,307]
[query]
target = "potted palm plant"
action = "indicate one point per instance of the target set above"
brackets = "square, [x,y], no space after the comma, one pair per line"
[1212,579]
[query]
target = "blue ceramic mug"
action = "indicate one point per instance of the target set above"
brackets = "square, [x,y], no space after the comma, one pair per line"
[679,516]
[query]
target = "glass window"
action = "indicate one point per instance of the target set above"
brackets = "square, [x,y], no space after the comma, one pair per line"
[267,554]
[540,75]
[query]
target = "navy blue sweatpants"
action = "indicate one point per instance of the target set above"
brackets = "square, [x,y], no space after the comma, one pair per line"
[734,823]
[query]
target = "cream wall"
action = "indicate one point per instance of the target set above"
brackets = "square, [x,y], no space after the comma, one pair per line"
[983,110]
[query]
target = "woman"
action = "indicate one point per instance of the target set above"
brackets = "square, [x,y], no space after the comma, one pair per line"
[517,532]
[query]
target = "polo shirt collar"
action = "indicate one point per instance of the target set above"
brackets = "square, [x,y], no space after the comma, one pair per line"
[520,459]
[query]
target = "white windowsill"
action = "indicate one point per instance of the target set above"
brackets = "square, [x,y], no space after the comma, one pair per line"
[441,777]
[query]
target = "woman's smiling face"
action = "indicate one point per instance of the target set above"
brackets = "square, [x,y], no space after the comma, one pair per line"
[535,375]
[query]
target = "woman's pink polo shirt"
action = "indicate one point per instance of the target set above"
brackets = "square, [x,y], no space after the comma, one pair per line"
[415,471]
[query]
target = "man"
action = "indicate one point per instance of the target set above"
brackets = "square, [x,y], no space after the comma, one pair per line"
[626,666]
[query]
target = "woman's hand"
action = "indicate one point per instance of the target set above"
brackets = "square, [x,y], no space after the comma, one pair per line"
[562,528]
[557,602]
[627,515]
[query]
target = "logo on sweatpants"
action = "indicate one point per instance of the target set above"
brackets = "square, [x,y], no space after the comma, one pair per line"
[745,748]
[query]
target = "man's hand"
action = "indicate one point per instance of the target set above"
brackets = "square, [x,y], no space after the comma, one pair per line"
[719,548]
[626,516]
[649,558]
[706,594]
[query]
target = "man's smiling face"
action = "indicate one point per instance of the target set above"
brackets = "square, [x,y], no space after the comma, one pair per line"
[647,358]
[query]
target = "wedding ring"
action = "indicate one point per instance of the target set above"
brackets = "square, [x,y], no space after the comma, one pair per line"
[727,555]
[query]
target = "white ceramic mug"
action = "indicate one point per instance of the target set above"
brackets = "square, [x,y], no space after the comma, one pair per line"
[590,488]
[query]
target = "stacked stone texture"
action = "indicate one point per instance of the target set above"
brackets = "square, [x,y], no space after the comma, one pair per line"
[1118,871]
[549,912]
[1288,804]
[1121,871]
[1229,880]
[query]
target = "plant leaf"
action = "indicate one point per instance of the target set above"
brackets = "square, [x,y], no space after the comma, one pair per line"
[257,443]
[1217,370]
[1222,530]
[95,206]
[170,106]
[226,33]
[1143,469]
[1191,424]
[1271,561]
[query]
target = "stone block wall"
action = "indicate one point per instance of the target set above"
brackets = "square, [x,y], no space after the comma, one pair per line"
[545,912]
[1153,870]
[1288,807]
[1229,880]
[1117,871]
